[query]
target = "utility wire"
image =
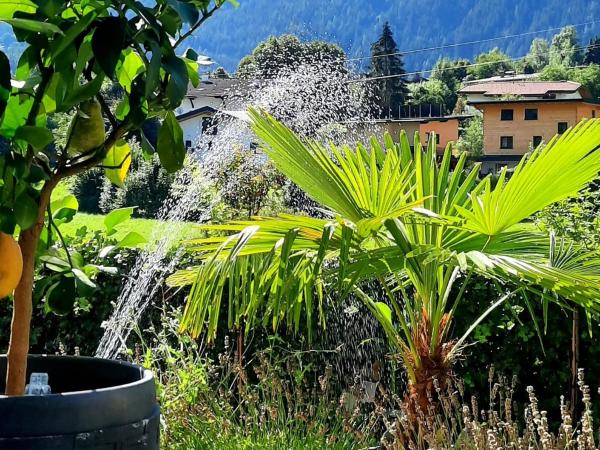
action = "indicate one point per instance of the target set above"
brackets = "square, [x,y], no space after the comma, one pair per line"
[327,62]
[383,77]
[460,44]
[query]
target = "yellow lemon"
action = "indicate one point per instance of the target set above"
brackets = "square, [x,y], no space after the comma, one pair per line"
[11,264]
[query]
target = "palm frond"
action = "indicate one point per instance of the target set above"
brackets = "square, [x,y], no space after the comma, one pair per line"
[551,173]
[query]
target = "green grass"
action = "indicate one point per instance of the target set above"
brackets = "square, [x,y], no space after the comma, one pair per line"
[201,434]
[151,229]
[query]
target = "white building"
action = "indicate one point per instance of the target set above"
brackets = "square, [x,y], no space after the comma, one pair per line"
[197,111]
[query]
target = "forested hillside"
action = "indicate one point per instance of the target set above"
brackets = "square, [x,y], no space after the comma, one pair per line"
[354,24]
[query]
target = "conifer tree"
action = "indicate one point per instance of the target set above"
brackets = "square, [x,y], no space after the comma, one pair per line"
[592,51]
[390,92]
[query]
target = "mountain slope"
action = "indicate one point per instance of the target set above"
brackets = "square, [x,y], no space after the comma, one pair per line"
[354,24]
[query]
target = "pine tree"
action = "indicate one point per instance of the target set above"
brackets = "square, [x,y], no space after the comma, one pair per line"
[386,61]
[592,51]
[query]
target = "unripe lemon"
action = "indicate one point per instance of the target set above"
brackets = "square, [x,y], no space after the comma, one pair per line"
[11,264]
[86,131]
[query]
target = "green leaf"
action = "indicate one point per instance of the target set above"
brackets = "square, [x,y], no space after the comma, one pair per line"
[60,297]
[37,137]
[81,25]
[15,115]
[192,68]
[147,147]
[34,25]
[83,278]
[178,80]
[188,13]
[54,93]
[5,86]
[107,42]
[8,8]
[170,147]
[170,20]
[131,240]
[83,92]
[117,162]
[116,217]
[65,208]
[25,211]
[122,108]
[7,220]
[153,75]
[385,311]
[130,67]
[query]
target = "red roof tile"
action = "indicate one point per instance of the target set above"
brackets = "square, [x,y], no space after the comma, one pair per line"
[533,88]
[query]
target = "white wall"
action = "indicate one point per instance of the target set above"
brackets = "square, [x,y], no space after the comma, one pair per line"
[192,128]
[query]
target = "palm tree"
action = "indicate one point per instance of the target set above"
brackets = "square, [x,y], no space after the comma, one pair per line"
[404,219]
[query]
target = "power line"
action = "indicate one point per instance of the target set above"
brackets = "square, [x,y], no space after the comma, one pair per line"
[441,47]
[382,77]
[460,44]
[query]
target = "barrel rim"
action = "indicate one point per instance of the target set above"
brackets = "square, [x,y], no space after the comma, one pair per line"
[146,375]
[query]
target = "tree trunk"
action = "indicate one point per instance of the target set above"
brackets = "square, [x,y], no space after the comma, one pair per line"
[22,306]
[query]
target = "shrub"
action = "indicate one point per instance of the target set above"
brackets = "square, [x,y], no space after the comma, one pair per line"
[147,187]
[87,187]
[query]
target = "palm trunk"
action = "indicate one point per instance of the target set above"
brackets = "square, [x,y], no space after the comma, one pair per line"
[22,306]
[433,370]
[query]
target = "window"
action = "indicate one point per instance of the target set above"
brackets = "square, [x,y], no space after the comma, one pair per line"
[208,126]
[531,114]
[562,127]
[437,138]
[506,114]
[506,142]
[537,140]
[188,144]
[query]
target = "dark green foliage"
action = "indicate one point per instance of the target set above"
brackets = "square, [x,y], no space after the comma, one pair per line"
[79,326]
[450,73]
[353,23]
[508,340]
[588,76]
[592,51]
[87,187]
[389,92]
[246,180]
[565,49]
[285,53]
[221,73]
[471,139]
[147,187]
[490,64]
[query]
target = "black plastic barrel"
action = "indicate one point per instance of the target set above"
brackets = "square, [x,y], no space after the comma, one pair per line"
[96,404]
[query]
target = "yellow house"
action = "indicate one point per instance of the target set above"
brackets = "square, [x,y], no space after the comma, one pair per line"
[445,128]
[519,115]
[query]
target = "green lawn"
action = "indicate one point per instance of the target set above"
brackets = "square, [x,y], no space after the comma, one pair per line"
[151,229]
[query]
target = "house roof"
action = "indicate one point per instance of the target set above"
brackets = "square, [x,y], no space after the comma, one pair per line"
[196,112]
[424,119]
[222,87]
[522,88]
[213,87]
